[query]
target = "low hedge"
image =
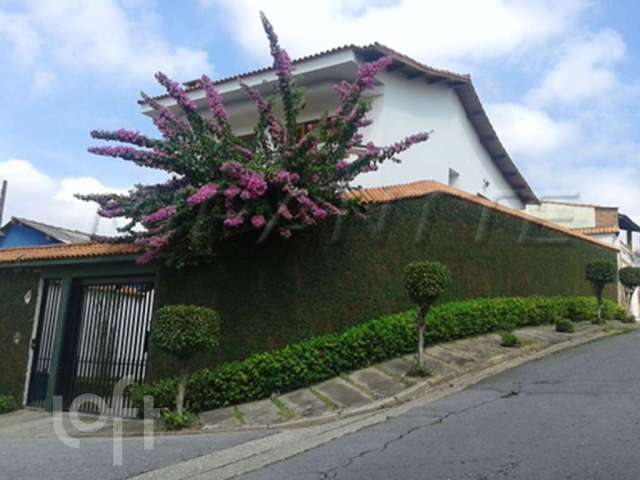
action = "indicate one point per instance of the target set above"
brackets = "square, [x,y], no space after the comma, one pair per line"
[7,404]
[320,358]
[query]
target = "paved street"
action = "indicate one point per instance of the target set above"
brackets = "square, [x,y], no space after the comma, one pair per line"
[48,458]
[573,415]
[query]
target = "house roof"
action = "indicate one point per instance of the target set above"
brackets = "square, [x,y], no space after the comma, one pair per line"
[426,187]
[66,252]
[381,195]
[462,85]
[63,235]
[597,230]
[625,223]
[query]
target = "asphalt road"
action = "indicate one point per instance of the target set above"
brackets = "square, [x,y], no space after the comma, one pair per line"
[573,415]
[50,459]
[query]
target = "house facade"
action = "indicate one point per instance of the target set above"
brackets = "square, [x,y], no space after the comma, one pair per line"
[22,232]
[464,150]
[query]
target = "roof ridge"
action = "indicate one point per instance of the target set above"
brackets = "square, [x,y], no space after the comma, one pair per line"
[24,219]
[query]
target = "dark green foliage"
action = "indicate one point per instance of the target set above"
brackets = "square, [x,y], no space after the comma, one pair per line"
[630,277]
[425,281]
[178,421]
[184,330]
[510,340]
[600,273]
[16,323]
[356,272]
[7,404]
[565,325]
[419,371]
[317,359]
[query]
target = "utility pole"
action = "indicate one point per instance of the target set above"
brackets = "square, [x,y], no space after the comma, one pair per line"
[3,196]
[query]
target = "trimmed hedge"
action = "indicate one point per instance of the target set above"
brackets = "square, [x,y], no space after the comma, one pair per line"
[319,358]
[332,277]
[7,404]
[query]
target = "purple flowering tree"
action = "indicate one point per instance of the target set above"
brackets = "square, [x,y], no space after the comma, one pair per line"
[284,179]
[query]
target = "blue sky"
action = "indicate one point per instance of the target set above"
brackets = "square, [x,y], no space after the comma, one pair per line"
[560,80]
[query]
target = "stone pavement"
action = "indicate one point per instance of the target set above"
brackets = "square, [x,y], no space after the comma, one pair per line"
[387,383]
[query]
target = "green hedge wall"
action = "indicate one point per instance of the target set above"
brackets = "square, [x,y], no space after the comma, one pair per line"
[337,275]
[16,322]
[319,358]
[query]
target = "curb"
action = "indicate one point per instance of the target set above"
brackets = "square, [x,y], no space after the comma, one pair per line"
[448,384]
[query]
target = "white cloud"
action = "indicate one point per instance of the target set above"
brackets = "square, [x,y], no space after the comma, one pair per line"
[99,37]
[530,132]
[435,32]
[35,195]
[584,70]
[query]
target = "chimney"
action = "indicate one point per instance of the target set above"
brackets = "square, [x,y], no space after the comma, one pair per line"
[3,196]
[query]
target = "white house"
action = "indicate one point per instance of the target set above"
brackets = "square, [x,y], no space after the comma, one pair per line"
[464,150]
[602,223]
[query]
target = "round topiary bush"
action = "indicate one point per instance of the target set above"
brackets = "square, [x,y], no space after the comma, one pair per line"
[600,274]
[424,282]
[565,325]
[630,280]
[182,331]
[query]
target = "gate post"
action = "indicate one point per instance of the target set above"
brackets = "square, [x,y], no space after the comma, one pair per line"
[58,342]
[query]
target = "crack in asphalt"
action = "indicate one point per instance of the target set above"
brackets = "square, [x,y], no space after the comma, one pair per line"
[332,473]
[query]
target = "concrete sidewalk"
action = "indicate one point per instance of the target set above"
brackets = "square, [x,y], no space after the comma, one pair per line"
[387,383]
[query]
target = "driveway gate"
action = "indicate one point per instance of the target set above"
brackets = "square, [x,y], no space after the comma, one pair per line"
[106,340]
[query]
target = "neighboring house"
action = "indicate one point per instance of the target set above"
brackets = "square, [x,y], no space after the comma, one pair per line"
[464,150]
[606,224]
[22,232]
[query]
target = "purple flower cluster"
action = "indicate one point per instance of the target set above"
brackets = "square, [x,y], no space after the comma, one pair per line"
[365,78]
[283,177]
[111,211]
[342,165]
[161,215]
[258,221]
[215,101]
[253,184]
[281,60]
[404,144]
[144,158]
[203,194]
[176,92]
[125,136]
[232,169]
[233,220]
[276,130]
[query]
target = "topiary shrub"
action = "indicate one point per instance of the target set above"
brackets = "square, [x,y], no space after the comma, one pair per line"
[600,274]
[424,282]
[630,280]
[510,340]
[7,404]
[319,358]
[182,331]
[565,325]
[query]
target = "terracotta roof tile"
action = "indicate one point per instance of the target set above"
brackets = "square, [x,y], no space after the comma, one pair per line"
[426,187]
[597,230]
[366,196]
[66,251]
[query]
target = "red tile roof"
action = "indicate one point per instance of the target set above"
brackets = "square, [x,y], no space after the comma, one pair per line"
[66,251]
[366,196]
[426,187]
[597,230]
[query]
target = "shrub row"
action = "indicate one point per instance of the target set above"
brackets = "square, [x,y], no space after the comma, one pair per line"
[319,358]
[7,404]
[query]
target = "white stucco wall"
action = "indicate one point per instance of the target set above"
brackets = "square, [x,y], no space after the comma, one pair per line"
[570,216]
[401,107]
[411,106]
